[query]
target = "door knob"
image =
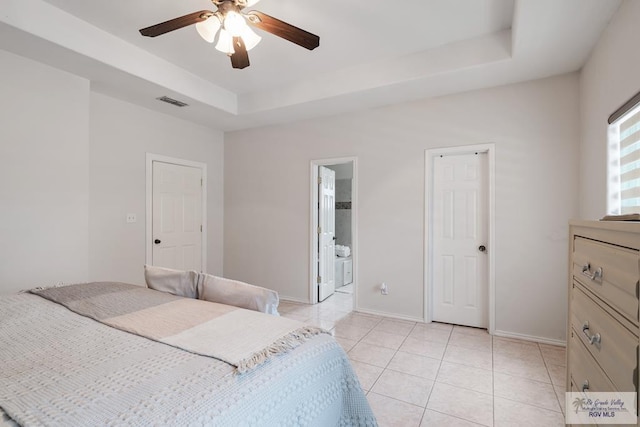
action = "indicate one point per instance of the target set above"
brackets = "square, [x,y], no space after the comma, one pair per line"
[482,248]
[157,241]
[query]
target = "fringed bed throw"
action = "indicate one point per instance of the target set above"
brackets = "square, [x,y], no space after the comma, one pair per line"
[242,338]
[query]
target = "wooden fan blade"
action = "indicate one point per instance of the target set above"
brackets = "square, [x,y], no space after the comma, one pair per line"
[240,59]
[282,29]
[175,24]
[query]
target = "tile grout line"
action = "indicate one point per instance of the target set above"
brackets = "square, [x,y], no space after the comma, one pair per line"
[394,354]
[532,404]
[553,386]
[436,378]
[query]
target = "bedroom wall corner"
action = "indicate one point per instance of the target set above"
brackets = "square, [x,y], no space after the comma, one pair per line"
[44,175]
[609,78]
[120,136]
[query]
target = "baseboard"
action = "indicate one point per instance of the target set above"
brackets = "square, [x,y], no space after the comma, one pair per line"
[292,299]
[498,333]
[390,315]
[515,335]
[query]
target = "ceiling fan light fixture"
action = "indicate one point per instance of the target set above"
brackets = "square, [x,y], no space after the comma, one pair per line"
[250,38]
[208,29]
[235,37]
[234,23]
[225,43]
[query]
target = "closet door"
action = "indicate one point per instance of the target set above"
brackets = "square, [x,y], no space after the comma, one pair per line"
[460,224]
[177,216]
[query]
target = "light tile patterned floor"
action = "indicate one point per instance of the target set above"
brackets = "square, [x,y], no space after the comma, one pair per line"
[437,374]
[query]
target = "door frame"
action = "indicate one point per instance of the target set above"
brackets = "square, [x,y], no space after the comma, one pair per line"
[313,208]
[489,149]
[151,157]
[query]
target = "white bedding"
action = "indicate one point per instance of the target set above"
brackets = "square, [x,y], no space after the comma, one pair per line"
[60,368]
[5,420]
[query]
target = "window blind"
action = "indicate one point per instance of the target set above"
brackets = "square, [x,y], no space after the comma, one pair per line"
[629,156]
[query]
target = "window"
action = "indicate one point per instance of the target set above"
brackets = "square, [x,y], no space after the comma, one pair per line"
[624,159]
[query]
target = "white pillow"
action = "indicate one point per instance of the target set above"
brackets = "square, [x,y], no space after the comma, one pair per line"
[238,294]
[176,282]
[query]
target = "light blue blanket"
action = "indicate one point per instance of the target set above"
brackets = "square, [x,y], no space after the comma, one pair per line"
[58,368]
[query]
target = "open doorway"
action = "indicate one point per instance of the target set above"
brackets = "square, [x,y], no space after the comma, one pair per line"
[334,254]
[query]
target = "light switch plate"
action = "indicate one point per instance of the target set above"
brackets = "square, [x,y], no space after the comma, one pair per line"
[131,218]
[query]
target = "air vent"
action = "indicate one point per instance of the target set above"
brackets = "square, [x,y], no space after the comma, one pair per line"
[172,101]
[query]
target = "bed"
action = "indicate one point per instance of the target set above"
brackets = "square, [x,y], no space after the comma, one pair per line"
[115,354]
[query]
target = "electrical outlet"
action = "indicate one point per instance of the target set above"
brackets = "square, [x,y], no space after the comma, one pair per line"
[384,289]
[131,218]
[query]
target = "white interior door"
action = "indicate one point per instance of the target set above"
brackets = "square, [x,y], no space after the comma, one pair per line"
[177,216]
[326,232]
[460,225]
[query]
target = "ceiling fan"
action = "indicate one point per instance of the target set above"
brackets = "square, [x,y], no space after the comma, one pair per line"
[235,37]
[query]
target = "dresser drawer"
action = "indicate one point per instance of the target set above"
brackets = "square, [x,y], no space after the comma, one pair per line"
[619,267]
[584,372]
[577,388]
[616,349]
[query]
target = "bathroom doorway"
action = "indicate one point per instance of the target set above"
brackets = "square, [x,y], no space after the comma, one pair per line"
[333,264]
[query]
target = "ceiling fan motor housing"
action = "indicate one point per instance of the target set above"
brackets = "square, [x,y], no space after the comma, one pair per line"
[227,6]
[238,3]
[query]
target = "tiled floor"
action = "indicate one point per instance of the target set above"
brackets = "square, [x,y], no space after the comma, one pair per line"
[437,374]
[346,289]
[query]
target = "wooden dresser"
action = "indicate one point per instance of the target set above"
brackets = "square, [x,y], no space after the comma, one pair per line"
[603,324]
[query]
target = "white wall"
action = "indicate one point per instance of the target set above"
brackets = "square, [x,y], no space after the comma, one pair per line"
[610,77]
[44,173]
[121,135]
[535,128]
[72,165]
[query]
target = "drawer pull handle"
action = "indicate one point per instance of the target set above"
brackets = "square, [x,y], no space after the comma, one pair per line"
[593,339]
[585,385]
[586,271]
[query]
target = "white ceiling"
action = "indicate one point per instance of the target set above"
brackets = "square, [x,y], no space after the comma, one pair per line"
[371,53]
